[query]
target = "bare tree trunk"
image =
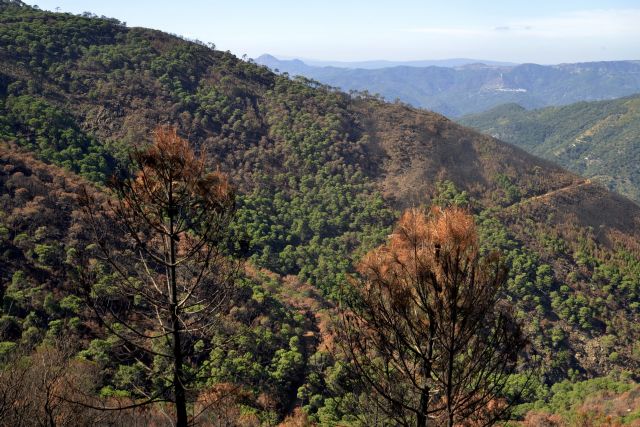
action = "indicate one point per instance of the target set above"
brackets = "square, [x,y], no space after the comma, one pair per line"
[180,395]
[453,306]
[422,419]
[178,383]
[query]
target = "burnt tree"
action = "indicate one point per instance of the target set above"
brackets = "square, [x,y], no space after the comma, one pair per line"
[427,327]
[160,280]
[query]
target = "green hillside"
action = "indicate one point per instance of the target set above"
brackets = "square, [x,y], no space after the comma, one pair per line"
[599,140]
[321,177]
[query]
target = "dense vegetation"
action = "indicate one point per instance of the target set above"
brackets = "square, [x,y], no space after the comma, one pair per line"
[43,230]
[472,88]
[321,177]
[611,400]
[598,140]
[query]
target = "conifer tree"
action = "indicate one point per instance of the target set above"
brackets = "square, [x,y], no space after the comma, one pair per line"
[428,328]
[163,280]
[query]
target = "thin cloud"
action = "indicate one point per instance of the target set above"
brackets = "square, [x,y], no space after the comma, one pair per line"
[513,28]
[578,24]
[588,23]
[451,31]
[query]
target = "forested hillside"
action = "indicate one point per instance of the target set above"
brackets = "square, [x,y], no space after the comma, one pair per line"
[321,177]
[598,140]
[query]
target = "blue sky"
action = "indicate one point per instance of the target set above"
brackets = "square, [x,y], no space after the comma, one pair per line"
[541,31]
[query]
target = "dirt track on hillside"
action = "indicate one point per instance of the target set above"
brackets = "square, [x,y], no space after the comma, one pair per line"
[552,193]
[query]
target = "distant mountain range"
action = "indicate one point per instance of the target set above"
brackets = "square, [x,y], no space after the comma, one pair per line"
[600,140]
[270,60]
[471,87]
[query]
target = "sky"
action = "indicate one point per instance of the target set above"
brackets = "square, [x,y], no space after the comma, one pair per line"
[539,31]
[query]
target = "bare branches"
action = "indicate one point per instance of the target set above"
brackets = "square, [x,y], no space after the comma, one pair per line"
[427,328]
[41,389]
[163,281]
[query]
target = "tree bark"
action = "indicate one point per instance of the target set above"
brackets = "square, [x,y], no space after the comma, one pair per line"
[422,419]
[178,384]
[453,307]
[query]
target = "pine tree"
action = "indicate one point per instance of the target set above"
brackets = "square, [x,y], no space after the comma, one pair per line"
[428,328]
[163,280]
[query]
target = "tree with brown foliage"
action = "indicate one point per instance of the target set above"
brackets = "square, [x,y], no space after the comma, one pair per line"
[167,280]
[427,327]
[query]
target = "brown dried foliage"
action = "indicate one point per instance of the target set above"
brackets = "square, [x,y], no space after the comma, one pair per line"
[428,330]
[161,241]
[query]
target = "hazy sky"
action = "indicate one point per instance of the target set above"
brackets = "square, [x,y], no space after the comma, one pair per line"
[542,31]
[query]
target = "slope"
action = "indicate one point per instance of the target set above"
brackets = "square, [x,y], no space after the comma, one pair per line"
[598,140]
